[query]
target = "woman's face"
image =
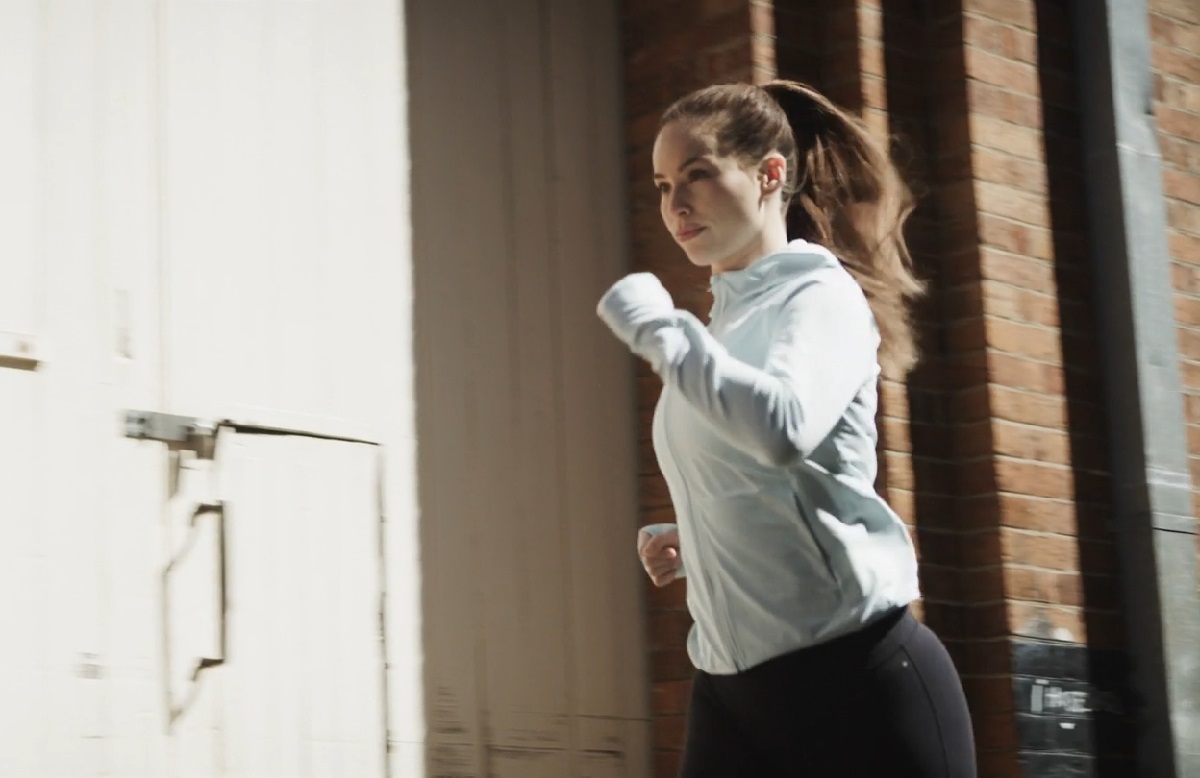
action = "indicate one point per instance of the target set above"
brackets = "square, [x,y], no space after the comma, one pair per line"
[719,210]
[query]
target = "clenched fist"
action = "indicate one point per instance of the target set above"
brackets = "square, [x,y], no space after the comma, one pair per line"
[658,548]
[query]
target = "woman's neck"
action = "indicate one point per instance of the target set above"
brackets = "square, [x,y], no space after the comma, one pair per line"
[772,239]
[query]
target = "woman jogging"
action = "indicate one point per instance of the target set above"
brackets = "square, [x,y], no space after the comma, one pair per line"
[808,660]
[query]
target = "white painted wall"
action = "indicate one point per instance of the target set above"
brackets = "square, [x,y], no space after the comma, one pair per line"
[534,627]
[203,210]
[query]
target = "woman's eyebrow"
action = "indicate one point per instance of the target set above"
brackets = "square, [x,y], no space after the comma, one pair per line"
[686,162]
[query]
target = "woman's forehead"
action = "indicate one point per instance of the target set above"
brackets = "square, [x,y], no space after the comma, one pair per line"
[679,141]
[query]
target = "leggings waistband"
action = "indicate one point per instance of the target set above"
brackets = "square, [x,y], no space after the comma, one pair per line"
[867,646]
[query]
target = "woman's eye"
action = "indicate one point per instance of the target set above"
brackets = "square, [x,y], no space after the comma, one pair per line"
[697,174]
[663,188]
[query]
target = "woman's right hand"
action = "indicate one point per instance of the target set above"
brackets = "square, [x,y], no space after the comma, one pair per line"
[658,548]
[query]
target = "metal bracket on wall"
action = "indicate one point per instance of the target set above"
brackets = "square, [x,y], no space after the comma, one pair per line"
[186,433]
[19,350]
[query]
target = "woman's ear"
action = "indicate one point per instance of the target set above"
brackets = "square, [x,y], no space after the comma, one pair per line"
[773,172]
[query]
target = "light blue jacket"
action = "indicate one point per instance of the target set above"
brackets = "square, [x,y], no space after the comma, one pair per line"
[765,433]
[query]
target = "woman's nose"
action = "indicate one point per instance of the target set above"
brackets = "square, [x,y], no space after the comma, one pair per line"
[679,203]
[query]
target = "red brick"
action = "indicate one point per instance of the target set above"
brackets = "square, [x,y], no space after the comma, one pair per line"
[652,492]
[1012,203]
[1187,310]
[962,302]
[669,731]
[1034,479]
[1019,13]
[983,584]
[1183,216]
[940,577]
[1173,32]
[1016,269]
[1176,62]
[870,22]
[897,433]
[1000,168]
[1193,439]
[893,398]
[1173,121]
[762,19]
[1181,186]
[874,92]
[797,28]
[657,515]
[1191,407]
[652,45]
[1038,549]
[989,620]
[966,335]
[1013,237]
[995,731]
[1180,10]
[668,629]
[667,762]
[670,696]
[1190,374]
[1179,153]
[1047,622]
[1004,136]
[1003,40]
[670,665]
[1024,305]
[987,657]
[647,459]
[1028,407]
[649,387]
[1034,342]
[673,595]
[899,470]
[903,502]
[1170,90]
[1034,443]
[1185,247]
[943,618]
[1020,373]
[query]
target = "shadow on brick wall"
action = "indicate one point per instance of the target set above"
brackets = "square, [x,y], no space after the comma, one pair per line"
[1102,667]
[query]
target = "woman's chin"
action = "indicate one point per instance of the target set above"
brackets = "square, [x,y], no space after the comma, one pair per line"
[700,258]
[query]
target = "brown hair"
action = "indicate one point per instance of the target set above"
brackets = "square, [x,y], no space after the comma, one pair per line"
[842,190]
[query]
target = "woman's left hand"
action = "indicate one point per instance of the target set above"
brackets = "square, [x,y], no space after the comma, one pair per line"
[636,300]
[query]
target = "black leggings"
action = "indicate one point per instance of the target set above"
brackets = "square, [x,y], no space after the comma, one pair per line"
[884,701]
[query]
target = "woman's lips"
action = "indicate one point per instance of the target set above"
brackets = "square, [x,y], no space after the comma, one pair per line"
[688,233]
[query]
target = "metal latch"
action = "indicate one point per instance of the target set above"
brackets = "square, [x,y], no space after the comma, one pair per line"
[178,432]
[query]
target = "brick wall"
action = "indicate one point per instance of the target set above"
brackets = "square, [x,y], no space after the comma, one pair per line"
[994,451]
[1175,29]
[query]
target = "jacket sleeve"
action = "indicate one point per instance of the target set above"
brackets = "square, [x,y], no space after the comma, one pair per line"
[823,350]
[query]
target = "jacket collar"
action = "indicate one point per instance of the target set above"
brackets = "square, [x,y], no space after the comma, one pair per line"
[797,259]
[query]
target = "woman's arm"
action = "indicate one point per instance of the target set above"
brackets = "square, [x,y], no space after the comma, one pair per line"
[823,349]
